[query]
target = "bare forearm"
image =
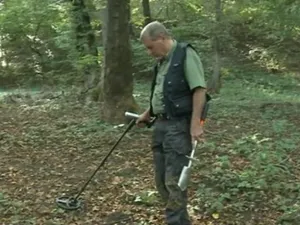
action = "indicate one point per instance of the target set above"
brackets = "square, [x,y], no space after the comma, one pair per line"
[198,103]
[147,112]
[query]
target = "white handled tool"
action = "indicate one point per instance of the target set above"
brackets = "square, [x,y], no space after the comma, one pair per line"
[186,171]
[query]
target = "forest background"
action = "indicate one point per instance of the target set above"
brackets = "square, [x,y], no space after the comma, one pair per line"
[67,65]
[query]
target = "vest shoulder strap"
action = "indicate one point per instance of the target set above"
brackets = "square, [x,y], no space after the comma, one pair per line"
[179,53]
[184,45]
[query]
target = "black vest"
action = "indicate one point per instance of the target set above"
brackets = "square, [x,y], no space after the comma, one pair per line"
[177,96]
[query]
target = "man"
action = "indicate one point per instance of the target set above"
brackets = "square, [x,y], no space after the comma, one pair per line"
[178,95]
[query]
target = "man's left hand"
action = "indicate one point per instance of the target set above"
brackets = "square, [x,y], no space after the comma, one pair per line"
[196,131]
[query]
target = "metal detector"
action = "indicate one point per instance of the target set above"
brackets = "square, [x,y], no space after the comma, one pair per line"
[72,203]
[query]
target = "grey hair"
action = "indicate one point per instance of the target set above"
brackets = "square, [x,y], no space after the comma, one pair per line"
[153,30]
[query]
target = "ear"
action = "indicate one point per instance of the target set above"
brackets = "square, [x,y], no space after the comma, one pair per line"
[160,38]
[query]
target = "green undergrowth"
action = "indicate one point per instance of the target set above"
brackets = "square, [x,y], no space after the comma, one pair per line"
[249,169]
[250,165]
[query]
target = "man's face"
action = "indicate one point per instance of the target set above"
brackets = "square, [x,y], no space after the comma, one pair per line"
[155,48]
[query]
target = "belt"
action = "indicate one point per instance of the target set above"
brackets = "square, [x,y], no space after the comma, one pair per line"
[162,116]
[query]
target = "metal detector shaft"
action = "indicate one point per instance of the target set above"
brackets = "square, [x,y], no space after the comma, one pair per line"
[131,124]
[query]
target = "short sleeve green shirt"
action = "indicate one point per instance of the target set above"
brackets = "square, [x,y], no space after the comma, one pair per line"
[194,74]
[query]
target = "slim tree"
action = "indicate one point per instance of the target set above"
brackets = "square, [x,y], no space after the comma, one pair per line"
[214,84]
[146,12]
[85,44]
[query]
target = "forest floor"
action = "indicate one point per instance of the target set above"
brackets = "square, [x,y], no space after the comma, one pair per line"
[249,170]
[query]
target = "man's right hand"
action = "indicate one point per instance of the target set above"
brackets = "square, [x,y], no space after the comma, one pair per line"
[144,117]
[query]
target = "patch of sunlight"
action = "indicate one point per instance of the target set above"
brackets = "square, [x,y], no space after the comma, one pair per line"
[4,92]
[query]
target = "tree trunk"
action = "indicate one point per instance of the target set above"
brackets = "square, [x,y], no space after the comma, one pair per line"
[85,45]
[104,22]
[131,24]
[214,84]
[146,12]
[117,83]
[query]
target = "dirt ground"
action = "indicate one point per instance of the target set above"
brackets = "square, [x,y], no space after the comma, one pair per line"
[48,150]
[49,147]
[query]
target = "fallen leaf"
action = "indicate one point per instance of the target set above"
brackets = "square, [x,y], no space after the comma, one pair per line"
[216,216]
